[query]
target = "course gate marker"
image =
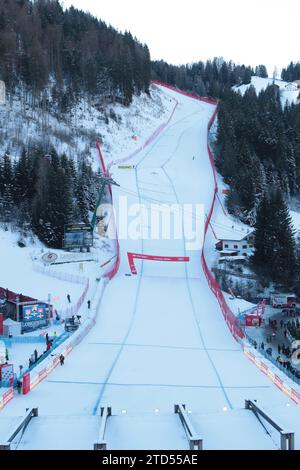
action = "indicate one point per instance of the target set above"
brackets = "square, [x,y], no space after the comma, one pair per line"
[133,256]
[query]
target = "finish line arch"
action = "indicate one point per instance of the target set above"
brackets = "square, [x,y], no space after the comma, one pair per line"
[172,259]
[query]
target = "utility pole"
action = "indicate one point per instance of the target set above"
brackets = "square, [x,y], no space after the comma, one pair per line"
[104,181]
[18,306]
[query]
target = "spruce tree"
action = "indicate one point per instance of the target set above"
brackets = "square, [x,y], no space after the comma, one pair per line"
[284,248]
[275,251]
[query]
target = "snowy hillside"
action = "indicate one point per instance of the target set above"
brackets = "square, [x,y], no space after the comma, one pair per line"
[160,338]
[76,135]
[288,91]
[119,128]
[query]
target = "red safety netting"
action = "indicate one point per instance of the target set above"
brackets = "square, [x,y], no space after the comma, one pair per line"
[150,139]
[185,93]
[111,274]
[230,318]
[5,397]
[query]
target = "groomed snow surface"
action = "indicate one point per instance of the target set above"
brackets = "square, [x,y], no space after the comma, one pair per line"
[160,338]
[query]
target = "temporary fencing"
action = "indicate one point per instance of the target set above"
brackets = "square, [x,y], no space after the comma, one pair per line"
[74,309]
[47,366]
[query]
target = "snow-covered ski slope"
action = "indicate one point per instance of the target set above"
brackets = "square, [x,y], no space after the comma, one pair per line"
[160,338]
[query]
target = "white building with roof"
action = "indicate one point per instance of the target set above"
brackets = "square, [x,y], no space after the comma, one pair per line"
[236,244]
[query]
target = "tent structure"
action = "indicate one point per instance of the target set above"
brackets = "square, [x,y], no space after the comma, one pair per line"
[11,327]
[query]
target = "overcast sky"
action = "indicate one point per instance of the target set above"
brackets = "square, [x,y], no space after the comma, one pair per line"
[252,32]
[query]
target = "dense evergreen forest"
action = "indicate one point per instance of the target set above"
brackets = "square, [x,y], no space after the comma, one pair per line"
[258,148]
[43,193]
[59,55]
[258,154]
[206,78]
[53,57]
[291,73]
[50,59]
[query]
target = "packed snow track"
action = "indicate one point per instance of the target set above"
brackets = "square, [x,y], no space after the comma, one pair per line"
[160,338]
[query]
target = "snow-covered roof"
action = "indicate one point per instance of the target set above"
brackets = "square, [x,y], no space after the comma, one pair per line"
[232,258]
[10,322]
[232,235]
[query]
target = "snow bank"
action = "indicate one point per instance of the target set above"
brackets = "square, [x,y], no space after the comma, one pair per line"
[288,91]
[119,128]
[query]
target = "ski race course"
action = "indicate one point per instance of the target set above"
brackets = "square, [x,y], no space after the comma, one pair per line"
[160,338]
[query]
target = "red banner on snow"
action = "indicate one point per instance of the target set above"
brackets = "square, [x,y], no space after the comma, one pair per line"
[230,318]
[26,383]
[115,269]
[185,93]
[172,259]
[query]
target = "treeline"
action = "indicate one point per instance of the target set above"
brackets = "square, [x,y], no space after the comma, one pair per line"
[59,55]
[209,78]
[258,154]
[276,257]
[291,73]
[258,147]
[44,192]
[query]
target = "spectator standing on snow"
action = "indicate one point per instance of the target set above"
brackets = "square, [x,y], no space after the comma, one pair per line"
[19,386]
[89,304]
[62,359]
[69,298]
[35,355]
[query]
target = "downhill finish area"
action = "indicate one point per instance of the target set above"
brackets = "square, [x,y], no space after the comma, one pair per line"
[160,338]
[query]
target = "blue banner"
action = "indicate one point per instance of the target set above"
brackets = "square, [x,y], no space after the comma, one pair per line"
[34,312]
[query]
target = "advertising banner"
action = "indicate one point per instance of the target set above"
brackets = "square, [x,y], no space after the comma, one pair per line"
[33,325]
[7,375]
[8,396]
[26,383]
[78,236]
[34,312]
[252,320]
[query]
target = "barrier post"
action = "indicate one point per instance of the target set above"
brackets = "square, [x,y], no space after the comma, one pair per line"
[26,383]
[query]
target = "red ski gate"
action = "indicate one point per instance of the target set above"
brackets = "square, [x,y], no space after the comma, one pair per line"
[172,259]
[230,318]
